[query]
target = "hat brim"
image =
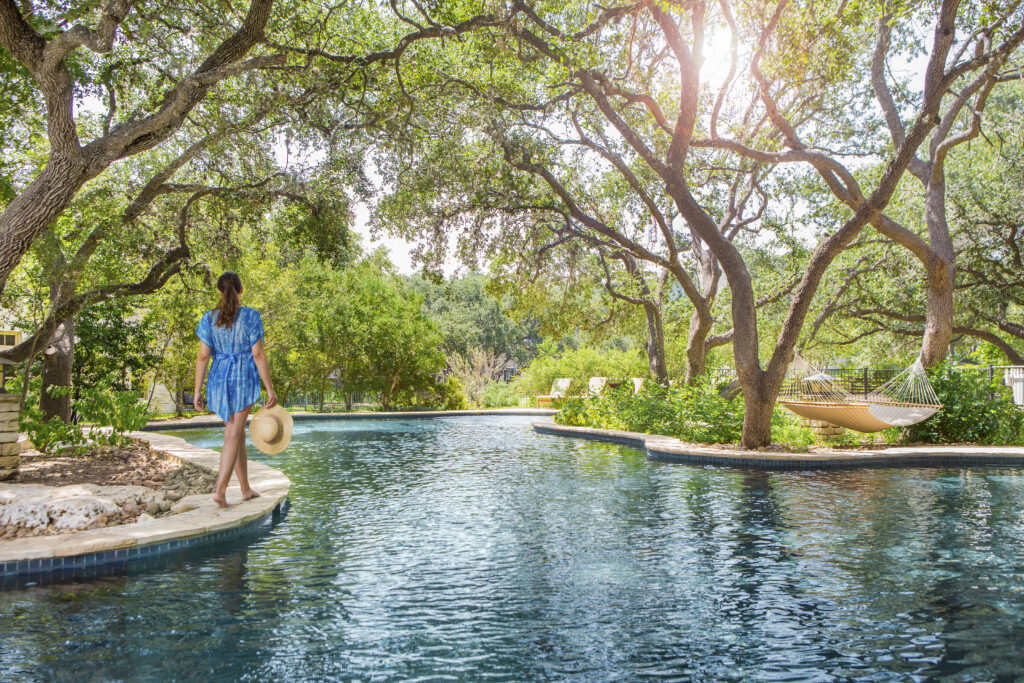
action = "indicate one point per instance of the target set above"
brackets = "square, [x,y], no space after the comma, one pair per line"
[279,413]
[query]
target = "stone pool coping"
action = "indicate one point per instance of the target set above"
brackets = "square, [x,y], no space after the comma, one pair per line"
[82,551]
[671,450]
[213,421]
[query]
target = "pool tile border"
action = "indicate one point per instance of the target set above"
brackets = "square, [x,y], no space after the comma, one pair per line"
[671,450]
[85,553]
[212,421]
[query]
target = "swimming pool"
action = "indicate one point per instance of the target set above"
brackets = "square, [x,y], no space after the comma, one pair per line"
[471,547]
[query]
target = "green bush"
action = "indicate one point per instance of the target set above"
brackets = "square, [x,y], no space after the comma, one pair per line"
[105,416]
[111,414]
[499,395]
[973,410]
[452,396]
[446,395]
[580,365]
[695,413]
[786,429]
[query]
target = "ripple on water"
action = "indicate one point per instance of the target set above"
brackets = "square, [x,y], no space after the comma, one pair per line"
[475,549]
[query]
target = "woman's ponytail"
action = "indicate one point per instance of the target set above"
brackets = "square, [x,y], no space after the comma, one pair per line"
[230,287]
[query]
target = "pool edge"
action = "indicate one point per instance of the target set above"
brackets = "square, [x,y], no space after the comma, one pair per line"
[214,421]
[84,552]
[671,450]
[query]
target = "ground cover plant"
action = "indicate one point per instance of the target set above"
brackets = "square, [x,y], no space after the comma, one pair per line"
[697,413]
[974,410]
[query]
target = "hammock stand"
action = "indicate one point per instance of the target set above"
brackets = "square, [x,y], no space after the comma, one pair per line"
[906,399]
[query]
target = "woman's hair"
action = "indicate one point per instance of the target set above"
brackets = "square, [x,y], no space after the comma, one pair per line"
[230,286]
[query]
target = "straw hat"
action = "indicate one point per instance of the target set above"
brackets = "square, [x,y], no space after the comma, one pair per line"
[271,429]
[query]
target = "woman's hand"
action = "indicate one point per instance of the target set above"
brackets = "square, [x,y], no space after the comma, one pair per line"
[198,402]
[271,398]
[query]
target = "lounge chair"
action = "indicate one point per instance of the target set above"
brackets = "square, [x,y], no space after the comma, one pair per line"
[559,389]
[596,385]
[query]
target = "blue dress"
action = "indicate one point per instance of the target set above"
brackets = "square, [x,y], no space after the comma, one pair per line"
[234,382]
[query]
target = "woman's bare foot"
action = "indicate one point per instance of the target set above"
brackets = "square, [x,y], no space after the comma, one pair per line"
[250,494]
[221,500]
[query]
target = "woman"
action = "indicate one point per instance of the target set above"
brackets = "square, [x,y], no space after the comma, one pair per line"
[233,334]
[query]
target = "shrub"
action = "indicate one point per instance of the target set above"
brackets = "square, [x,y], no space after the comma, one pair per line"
[499,395]
[579,364]
[786,429]
[446,395]
[111,413]
[973,410]
[475,371]
[451,395]
[695,413]
[106,415]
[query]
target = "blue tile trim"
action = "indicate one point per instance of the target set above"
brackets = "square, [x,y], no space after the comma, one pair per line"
[21,573]
[754,462]
[320,417]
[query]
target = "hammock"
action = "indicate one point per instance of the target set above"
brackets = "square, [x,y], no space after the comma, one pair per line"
[906,399]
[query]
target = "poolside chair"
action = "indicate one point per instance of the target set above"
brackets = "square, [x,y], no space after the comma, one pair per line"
[638,384]
[596,385]
[559,389]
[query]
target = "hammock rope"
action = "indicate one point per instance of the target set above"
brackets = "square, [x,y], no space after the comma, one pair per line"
[906,399]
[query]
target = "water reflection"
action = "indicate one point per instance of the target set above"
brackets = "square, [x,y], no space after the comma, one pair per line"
[473,548]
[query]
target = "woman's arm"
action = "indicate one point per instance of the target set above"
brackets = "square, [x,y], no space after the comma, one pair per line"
[202,360]
[259,354]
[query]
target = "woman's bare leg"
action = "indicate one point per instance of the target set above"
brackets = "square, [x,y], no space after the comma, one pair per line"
[242,471]
[234,430]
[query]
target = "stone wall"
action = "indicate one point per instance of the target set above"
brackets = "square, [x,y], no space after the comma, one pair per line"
[10,449]
[823,429]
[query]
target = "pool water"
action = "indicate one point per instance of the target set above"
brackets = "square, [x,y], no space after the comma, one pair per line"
[472,548]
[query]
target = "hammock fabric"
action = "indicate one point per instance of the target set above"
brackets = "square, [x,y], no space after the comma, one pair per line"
[906,399]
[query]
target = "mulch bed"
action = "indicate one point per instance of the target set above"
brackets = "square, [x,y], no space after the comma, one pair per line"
[106,466]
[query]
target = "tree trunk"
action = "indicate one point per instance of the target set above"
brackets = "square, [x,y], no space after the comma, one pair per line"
[938,329]
[696,347]
[656,343]
[348,401]
[58,360]
[757,419]
[938,326]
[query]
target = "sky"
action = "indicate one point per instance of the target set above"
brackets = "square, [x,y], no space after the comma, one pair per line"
[399,249]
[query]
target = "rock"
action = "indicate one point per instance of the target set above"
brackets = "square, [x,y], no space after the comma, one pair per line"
[165,505]
[143,518]
[152,509]
[173,494]
[183,506]
[131,509]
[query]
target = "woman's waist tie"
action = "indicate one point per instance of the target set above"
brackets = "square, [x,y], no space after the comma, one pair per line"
[228,360]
